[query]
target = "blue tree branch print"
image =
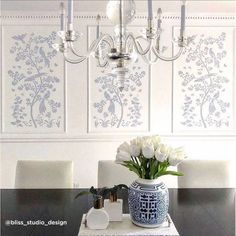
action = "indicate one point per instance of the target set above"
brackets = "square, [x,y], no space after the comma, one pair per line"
[119,108]
[33,82]
[203,82]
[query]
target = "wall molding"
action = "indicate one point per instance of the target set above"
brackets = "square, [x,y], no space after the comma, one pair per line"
[112,138]
[87,16]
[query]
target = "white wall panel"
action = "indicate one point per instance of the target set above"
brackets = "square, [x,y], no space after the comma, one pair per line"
[204,82]
[33,98]
[85,148]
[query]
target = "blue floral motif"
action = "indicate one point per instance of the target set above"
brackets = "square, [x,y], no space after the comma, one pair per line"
[203,82]
[148,203]
[33,81]
[119,108]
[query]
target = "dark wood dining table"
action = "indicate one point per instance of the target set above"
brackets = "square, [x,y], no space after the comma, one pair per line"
[56,212]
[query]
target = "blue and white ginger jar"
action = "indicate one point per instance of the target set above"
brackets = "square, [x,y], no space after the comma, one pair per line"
[148,202]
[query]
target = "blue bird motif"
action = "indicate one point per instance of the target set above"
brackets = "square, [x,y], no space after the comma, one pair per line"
[46,61]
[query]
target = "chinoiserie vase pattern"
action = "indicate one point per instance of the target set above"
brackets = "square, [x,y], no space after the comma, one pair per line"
[148,202]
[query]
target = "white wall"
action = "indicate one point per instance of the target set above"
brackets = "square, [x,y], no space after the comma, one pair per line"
[85,154]
[84,148]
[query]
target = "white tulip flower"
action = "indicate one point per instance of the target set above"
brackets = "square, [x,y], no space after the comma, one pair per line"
[133,154]
[162,152]
[176,156]
[124,147]
[148,149]
[137,141]
[135,147]
[135,150]
[123,153]
[122,156]
[156,140]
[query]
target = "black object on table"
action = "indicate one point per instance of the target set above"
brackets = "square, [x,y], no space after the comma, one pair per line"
[55,212]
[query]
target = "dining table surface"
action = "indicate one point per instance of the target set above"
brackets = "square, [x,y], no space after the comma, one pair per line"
[56,212]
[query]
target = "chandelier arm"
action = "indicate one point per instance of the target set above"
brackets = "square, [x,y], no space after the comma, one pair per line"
[148,61]
[137,45]
[146,50]
[74,61]
[82,59]
[94,46]
[107,42]
[103,37]
[100,63]
[167,58]
[98,58]
[71,47]
[139,48]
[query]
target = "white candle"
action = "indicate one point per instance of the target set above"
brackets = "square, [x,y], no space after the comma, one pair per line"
[159,12]
[62,16]
[182,29]
[98,25]
[150,16]
[70,12]
[97,34]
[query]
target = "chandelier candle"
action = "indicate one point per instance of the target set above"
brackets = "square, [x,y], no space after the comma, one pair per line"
[98,26]
[70,14]
[150,15]
[182,29]
[159,12]
[62,16]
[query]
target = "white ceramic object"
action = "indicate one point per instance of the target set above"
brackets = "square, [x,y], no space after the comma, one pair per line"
[97,218]
[114,209]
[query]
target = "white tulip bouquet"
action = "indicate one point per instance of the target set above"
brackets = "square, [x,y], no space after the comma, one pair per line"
[149,158]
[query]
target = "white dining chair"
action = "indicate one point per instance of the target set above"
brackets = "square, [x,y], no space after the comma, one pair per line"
[44,174]
[206,174]
[110,173]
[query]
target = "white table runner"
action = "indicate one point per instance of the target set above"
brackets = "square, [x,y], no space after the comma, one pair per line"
[126,227]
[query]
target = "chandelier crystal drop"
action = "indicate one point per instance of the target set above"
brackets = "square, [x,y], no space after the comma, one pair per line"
[122,48]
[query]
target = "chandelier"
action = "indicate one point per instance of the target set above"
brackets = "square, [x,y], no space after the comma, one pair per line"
[122,48]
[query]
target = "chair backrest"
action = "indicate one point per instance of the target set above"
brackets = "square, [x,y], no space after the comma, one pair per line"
[44,174]
[111,173]
[206,174]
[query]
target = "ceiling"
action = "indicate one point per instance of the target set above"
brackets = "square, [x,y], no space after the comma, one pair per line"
[193,6]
